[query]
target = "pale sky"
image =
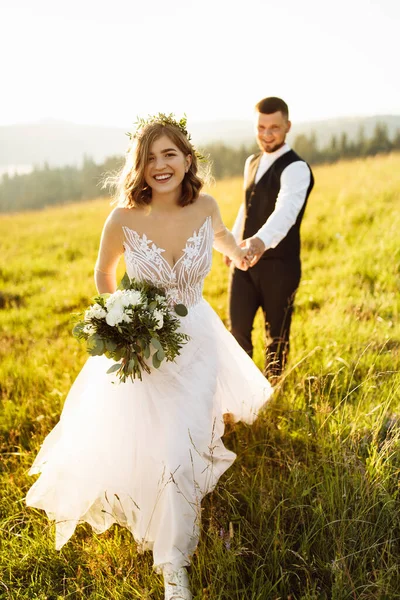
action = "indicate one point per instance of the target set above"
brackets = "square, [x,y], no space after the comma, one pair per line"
[105,62]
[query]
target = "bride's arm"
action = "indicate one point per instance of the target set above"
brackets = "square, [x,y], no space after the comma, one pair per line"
[224,240]
[110,251]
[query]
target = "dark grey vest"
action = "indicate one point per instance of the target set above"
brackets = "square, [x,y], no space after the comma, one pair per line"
[261,200]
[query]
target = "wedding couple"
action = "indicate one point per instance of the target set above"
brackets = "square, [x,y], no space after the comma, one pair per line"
[144,453]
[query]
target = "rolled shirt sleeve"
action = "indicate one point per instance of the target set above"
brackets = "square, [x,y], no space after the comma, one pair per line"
[295,180]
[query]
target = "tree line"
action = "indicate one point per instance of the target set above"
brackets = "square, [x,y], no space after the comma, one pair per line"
[46,186]
[340,146]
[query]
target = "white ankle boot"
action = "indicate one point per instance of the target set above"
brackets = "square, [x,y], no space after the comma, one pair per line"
[177,584]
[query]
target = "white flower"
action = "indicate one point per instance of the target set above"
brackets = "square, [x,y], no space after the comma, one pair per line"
[114,298]
[115,316]
[159,317]
[131,298]
[95,312]
[111,318]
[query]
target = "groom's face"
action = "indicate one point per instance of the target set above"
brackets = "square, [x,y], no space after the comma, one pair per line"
[271,131]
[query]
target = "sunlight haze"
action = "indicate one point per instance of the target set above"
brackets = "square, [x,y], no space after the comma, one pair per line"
[105,63]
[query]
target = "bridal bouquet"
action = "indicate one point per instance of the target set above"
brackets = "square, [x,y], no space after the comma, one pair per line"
[134,326]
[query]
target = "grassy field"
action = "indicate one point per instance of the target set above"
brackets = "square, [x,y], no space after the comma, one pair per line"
[311,508]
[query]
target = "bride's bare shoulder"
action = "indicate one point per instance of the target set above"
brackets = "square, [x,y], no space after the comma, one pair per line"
[120,215]
[124,217]
[209,204]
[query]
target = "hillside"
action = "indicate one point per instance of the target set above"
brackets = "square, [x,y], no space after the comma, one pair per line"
[310,509]
[61,143]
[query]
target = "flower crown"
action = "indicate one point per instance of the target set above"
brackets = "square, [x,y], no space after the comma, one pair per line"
[164,119]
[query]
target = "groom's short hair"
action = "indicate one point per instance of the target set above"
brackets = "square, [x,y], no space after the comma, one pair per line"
[267,106]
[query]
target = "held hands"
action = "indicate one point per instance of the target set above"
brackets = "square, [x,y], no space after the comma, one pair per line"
[253,248]
[240,261]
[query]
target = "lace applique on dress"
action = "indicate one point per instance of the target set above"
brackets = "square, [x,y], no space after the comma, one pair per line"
[153,252]
[192,248]
[184,281]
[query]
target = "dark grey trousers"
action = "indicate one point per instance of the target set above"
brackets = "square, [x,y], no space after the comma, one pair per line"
[271,284]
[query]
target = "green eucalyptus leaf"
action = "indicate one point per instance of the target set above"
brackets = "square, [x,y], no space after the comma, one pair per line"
[181,310]
[156,361]
[156,343]
[97,350]
[110,345]
[114,368]
[161,354]
[146,352]
[95,345]
[117,354]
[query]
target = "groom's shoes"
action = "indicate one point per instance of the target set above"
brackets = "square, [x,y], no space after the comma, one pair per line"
[177,585]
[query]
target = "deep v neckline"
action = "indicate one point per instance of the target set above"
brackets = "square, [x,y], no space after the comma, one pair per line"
[144,237]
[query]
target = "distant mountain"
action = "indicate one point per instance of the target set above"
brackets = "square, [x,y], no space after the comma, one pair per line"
[60,143]
[324,130]
[242,132]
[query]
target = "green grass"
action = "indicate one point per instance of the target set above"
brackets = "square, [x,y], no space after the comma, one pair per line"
[310,510]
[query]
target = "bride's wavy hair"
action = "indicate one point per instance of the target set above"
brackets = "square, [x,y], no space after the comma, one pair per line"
[130,185]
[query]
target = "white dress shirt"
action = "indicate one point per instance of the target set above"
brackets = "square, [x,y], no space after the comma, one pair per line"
[295,180]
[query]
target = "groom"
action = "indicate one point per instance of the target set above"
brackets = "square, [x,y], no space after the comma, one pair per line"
[277,185]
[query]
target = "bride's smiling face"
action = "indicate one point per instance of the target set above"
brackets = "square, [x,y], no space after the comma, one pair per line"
[166,166]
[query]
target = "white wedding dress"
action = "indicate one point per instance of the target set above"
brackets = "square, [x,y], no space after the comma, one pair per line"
[143,454]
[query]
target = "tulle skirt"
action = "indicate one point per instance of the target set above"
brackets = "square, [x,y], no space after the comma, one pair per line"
[144,453]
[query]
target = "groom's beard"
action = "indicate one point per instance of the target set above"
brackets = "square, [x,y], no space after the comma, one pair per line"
[269,148]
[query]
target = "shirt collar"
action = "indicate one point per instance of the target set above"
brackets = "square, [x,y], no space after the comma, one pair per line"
[272,156]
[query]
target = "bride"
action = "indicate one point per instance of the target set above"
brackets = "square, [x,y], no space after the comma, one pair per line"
[144,453]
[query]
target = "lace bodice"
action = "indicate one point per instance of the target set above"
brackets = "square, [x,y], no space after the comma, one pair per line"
[184,281]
